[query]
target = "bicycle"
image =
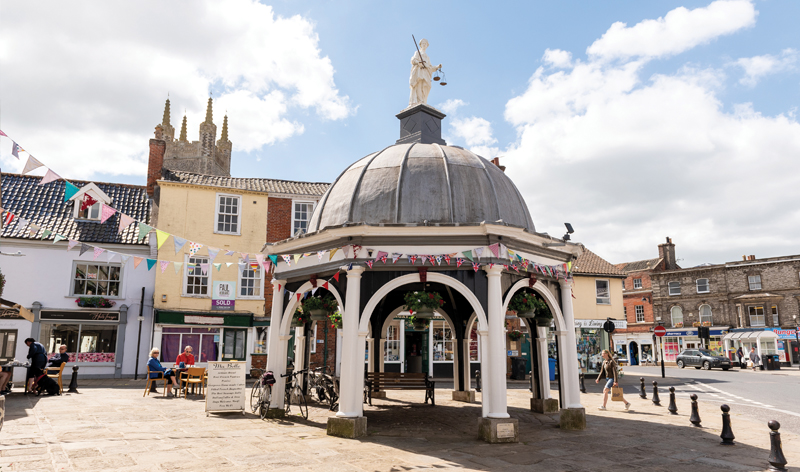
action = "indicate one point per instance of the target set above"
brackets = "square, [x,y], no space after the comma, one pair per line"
[261,394]
[321,385]
[294,394]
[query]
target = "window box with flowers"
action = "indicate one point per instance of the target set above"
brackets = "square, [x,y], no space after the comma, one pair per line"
[706,323]
[679,324]
[318,308]
[94,302]
[695,324]
[422,304]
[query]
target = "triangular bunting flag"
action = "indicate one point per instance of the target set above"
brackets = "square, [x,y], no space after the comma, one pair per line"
[33,229]
[424,259]
[177,266]
[476,266]
[8,218]
[125,258]
[218,266]
[447,259]
[356,249]
[369,253]
[287,259]
[178,242]
[144,230]
[325,285]
[260,259]
[438,260]
[333,251]
[97,252]
[162,237]
[320,254]
[69,191]
[106,213]
[336,276]
[383,259]
[395,257]
[50,176]
[15,149]
[84,247]
[194,247]
[124,222]
[228,264]
[478,252]
[32,164]
[495,248]
[230,253]
[242,266]
[245,257]
[204,268]
[369,263]
[136,261]
[71,244]
[164,265]
[273,258]
[151,263]
[412,258]
[296,257]
[58,238]
[46,233]
[505,266]
[212,253]
[298,296]
[459,261]
[468,255]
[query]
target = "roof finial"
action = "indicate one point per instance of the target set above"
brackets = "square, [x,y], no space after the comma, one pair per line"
[208,111]
[183,130]
[165,120]
[224,136]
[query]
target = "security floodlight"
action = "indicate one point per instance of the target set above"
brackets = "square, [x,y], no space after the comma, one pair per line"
[569,228]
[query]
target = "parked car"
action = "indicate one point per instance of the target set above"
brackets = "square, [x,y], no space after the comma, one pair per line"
[702,359]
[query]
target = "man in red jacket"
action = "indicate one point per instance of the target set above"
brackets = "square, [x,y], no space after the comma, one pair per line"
[186,357]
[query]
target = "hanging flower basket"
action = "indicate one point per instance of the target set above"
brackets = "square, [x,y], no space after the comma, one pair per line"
[336,319]
[422,304]
[318,308]
[416,323]
[514,335]
[543,317]
[299,319]
[523,304]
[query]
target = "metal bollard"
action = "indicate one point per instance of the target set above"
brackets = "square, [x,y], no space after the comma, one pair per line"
[73,384]
[656,400]
[673,407]
[642,390]
[695,418]
[777,461]
[477,381]
[581,378]
[727,433]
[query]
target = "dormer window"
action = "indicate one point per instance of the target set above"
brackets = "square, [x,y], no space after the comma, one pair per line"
[88,203]
[90,213]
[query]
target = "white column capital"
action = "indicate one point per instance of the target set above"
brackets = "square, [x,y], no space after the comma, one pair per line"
[355,271]
[565,283]
[493,269]
[276,282]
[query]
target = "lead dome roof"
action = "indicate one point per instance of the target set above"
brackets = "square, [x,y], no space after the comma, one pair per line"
[419,182]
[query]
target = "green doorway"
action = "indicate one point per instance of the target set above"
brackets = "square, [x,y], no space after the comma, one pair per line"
[416,351]
[234,345]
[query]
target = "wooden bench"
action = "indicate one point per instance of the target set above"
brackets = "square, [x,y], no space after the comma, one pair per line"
[380,381]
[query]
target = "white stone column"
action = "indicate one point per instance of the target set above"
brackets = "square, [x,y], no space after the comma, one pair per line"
[350,391]
[498,407]
[569,351]
[276,360]
[486,384]
[299,349]
[544,364]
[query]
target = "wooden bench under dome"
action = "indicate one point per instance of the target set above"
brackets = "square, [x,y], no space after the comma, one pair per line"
[381,381]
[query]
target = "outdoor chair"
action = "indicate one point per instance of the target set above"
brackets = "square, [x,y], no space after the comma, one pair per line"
[150,381]
[194,376]
[56,374]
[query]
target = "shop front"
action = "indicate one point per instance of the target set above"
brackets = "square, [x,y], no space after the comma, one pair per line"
[592,340]
[787,342]
[636,348]
[676,340]
[765,341]
[95,339]
[213,336]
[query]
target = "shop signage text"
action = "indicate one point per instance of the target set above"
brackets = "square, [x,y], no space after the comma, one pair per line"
[80,315]
[618,324]
[784,333]
[205,320]
[693,332]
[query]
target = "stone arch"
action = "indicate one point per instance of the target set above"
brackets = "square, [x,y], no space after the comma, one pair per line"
[414,278]
[286,320]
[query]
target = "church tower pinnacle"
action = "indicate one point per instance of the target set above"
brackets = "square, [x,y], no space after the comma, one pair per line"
[183,130]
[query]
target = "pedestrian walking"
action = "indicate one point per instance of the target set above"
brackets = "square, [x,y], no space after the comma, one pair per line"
[740,355]
[755,359]
[609,371]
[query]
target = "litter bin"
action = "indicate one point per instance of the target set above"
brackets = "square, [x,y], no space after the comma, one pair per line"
[552,365]
[771,362]
[518,368]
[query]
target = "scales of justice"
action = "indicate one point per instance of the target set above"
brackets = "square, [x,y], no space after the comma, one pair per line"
[423,73]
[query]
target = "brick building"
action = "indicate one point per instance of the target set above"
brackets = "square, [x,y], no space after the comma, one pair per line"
[752,303]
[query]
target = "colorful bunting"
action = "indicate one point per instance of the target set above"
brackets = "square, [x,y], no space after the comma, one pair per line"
[15,149]
[230,253]
[144,230]
[50,176]
[151,263]
[245,257]
[8,218]
[97,252]
[125,258]
[124,222]
[459,261]
[164,265]
[296,257]
[177,266]
[212,253]
[395,257]
[320,254]
[356,249]
[274,259]
[161,236]
[84,247]
[330,256]
[495,248]
[58,238]
[46,234]
[136,261]
[32,164]
[287,259]
[178,242]
[194,247]
[228,264]
[204,267]
[242,266]
[107,212]
[218,266]
[336,276]
[69,190]
[260,259]
[412,258]
[71,244]
[468,255]
[478,252]
[369,263]
[476,266]
[447,259]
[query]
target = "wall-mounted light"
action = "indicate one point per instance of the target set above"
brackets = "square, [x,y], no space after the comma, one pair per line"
[164,298]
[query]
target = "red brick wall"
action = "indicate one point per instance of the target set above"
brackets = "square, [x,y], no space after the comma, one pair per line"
[630,300]
[279,227]
[155,163]
[316,359]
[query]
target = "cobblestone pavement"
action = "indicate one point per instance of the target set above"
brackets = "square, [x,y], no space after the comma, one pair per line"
[110,426]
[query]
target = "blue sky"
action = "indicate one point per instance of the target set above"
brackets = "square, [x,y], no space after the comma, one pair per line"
[681,123]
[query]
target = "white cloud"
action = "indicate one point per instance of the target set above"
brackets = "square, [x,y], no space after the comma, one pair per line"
[679,30]
[451,106]
[757,67]
[91,86]
[557,58]
[629,159]
[477,134]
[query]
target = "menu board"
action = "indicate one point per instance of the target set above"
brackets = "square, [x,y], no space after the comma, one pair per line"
[226,387]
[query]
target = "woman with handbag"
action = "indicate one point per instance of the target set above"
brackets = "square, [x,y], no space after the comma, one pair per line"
[610,371]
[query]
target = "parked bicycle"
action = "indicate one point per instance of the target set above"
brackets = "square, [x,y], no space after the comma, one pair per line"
[294,394]
[321,386]
[261,393]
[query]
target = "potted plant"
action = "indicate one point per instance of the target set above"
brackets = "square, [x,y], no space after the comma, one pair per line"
[318,308]
[706,323]
[679,324]
[416,323]
[523,304]
[336,319]
[94,302]
[543,315]
[696,324]
[422,304]
[515,335]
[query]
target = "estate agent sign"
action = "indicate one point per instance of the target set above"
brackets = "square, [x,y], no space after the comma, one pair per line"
[223,296]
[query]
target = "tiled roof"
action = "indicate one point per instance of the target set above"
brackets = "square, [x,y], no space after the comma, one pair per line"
[44,205]
[636,266]
[591,263]
[252,184]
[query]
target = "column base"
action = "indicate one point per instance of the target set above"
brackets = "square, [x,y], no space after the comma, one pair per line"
[573,419]
[467,396]
[350,428]
[276,413]
[498,430]
[544,405]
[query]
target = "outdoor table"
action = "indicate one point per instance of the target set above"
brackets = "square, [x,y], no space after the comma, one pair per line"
[10,366]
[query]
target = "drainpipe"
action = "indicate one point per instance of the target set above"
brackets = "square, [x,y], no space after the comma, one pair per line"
[139,338]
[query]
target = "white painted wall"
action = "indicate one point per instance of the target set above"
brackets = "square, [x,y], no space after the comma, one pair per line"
[44,275]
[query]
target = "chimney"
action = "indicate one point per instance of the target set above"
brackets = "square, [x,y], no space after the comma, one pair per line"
[496,161]
[155,164]
[666,251]
[752,258]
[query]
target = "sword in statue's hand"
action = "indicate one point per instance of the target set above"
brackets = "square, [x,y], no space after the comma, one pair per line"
[420,54]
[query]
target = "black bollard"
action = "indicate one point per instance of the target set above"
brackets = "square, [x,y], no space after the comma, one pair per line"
[581,378]
[642,390]
[656,400]
[673,407]
[777,461]
[695,418]
[727,432]
[477,381]
[73,384]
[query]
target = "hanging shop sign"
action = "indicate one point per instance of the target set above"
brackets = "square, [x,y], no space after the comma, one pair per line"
[223,296]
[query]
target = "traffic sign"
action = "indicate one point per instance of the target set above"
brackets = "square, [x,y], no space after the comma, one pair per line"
[660,331]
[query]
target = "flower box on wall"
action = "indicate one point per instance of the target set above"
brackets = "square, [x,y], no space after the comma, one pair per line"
[696,324]
[679,325]
[707,323]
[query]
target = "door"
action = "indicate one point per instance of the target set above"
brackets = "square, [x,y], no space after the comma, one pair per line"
[8,345]
[634,353]
[234,345]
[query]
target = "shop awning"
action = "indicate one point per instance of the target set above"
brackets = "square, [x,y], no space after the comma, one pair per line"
[749,335]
